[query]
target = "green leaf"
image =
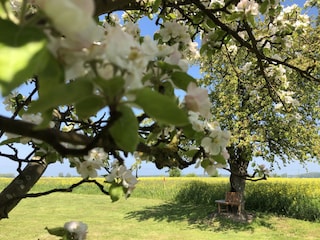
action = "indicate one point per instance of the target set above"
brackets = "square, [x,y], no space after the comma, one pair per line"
[189,132]
[171,16]
[111,87]
[160,107]
[167,67]
[167,89]
[63,94]
[251,20]
[50,77]
[23,54]
[263,7]
[52,158]
[191,153]
[182,80]
[89,106]
[219,158]
[205,163]
[58,231]
[233,17]
[124,130]
[115,191]
[156,5]
[210,24]
[10,140]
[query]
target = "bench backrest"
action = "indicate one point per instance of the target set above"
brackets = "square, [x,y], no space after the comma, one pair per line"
[233,197]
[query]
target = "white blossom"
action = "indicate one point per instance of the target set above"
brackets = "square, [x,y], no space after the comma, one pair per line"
[129,181]
[127,53]
[197,100]
[132,29]
[175,58]
[233,49]
[91,163]
[210,146]
[9,101]
[211,170]
[248,7]
[121,172]
[174,30]
[193,49]
[96,154]
[32,118]
[217,140]
[225,153]
[246,67]
[197,124]
[83,31]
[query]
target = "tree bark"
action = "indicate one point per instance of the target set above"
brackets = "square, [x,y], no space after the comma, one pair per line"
[239,165]
[20,186]
[109,6]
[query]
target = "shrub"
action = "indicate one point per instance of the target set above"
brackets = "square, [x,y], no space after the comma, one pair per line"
[191,175]
[174,172]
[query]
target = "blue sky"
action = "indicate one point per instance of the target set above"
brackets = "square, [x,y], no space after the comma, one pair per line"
[147,28]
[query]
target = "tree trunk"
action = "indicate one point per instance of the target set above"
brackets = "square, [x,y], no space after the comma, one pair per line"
[239,166]
[20,186]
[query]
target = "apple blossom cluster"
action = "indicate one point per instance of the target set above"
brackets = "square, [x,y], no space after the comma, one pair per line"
[287,98]
[289,20]
[290,16]
[211,169]
[120,173]
[214,144]
[87,166]
[116,48]
[217,139]
[197,100]
[176,35]
[248,7]
[10,101]
[261,170]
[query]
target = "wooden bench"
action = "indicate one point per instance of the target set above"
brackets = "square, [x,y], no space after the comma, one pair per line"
[232,199]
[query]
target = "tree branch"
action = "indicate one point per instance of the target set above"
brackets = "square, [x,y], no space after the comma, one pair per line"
[109,6]
[247,176]
[69,189]
[51,136]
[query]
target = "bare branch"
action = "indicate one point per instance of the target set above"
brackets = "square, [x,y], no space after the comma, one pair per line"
[69,189]
[247,176]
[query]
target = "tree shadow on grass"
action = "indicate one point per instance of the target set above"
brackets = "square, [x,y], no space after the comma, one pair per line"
[197,216]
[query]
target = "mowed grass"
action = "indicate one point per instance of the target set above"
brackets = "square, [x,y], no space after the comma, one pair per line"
[161,208]
[139,218]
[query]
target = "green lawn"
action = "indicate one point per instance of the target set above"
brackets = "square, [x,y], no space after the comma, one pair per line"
[138,218]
